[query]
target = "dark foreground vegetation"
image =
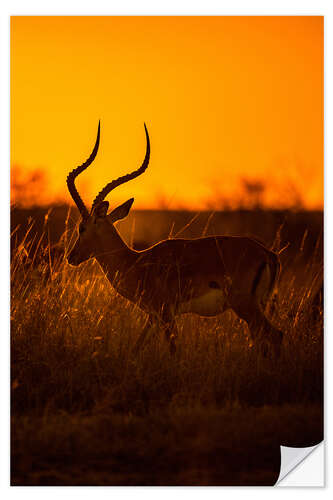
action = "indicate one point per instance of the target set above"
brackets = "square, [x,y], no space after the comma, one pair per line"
[87,411]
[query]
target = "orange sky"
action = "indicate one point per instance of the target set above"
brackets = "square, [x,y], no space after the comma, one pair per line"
[224,98]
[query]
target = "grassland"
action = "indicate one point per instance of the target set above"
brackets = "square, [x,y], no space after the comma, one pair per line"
[87,411]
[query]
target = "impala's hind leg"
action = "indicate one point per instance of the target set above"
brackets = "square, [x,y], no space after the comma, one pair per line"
[264,334]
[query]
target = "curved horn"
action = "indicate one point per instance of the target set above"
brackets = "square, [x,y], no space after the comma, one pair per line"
[74,173]
[125,178]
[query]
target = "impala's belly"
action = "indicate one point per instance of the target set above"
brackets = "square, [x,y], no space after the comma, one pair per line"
[211,303]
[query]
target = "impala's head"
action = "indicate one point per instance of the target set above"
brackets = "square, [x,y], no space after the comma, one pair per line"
[97,225]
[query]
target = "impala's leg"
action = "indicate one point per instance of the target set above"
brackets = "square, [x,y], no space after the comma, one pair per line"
[261,329]
[149,325]
[171,334]
[170,328]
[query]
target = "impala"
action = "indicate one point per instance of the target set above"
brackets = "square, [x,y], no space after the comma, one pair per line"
[205,276]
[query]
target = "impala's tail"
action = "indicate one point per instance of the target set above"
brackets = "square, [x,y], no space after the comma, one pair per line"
[266,279]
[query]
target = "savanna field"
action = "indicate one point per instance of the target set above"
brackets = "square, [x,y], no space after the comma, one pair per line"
[87,410]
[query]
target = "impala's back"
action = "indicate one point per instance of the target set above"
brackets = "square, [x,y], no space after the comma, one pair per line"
[201,275]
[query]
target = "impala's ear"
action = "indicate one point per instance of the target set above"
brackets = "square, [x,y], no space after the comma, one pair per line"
[121,211]
[101,209]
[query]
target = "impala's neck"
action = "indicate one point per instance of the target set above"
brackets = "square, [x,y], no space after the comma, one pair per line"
[113,255]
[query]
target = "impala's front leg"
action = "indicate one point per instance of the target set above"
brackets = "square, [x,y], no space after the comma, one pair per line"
[166,322]
[149,325]
[171,334]
[170,329]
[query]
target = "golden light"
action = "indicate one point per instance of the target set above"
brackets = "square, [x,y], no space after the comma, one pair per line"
[227,100]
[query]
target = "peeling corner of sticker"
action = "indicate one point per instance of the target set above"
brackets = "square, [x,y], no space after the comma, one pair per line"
[291,458]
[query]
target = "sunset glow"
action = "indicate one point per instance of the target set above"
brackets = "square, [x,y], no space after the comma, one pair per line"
[233,105]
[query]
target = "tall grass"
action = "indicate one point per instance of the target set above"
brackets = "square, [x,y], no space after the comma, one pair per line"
[73,366]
